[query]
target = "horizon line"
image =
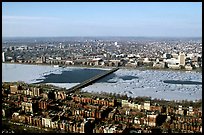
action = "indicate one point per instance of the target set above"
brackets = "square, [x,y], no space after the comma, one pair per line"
[102,36]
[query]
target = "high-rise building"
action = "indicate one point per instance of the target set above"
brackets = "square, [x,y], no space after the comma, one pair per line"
[147,105]
[181,59]
[3,56]
[11,48]
[43,59]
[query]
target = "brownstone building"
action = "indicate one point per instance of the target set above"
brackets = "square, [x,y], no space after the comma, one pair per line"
[14,89]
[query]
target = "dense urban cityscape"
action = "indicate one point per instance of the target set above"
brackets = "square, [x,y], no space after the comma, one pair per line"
[102,67]
[53,109]
[156,53]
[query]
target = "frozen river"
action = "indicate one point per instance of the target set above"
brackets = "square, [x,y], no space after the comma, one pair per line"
[156,84]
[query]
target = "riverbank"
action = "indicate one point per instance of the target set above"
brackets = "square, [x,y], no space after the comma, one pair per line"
[198,70]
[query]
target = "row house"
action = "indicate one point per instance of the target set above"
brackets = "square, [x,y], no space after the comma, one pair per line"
[54,124]
[128,119]
[85,113]
[36,91]
[156,108]
[111,114]
[80,111]
[76,99]
[74,127]
[79,127]
[132,105]
[118,117]
[27,107]
[190,111]
[186,126]
[151,120]
[74,104]
[94,101]
[60,95]
[91,107]
[33,91]
[170,110]
[147,105]
[98,129]
[28,119]
[188,119]
[44,95]
[13,89]
[43,103]
[197,113]
[132,112]
[78,105]
[46,122]
[37,121]
[101,102]
[62,124]
[86,100]
[93,113]
[27,92]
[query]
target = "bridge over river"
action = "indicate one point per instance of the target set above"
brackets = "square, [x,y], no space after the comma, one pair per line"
[91,80]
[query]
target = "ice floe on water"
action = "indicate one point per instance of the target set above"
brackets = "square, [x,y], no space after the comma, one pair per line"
[124,81]
[150,83]
[35,73]
[26,73]
[29,73]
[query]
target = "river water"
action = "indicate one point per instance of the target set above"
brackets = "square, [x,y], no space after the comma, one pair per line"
[170,85]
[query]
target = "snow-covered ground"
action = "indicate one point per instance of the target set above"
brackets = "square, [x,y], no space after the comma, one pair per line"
[148,83]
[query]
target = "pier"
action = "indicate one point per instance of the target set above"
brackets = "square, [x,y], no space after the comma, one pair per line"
[91,80]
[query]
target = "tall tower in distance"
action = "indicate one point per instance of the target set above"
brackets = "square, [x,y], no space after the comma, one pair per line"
[182,58]
[43,59]
[3,56]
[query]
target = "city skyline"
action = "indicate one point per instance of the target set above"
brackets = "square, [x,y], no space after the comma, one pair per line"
[149,19]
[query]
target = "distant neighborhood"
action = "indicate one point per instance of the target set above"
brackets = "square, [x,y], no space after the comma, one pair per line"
[156,54]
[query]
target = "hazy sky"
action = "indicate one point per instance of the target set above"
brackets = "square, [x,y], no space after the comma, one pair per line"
[102,19]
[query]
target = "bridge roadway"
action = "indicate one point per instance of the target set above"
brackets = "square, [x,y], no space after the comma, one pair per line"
[91,80]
